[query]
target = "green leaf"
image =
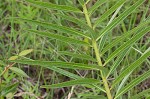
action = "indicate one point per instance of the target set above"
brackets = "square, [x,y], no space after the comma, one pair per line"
[60,64]
[109,12]
[57,27]
[64,72]
[19,72]
[8,89]
[117,61]
[59,37]
[127,44]
[72,83]
[25,52]
[79,22]
[95,6]
[81,56]
[120,18]
[71,75]
[125,35]
[81,2]
[133,83]
[13,58]
[54,6]
[131,68]
[141,94]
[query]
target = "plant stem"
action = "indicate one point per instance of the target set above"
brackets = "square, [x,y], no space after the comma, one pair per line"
[100,64]
[94,43]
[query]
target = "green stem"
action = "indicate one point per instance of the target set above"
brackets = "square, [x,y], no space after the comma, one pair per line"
[94,43]
[100,64]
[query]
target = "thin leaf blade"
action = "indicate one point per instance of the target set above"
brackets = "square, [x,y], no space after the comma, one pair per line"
[60,64]
[72,83]
[116,21]
[59,37]
[56,27]
[81,56]
[127,44]
[133,83]
[110,11]
[54,6]
[131,68]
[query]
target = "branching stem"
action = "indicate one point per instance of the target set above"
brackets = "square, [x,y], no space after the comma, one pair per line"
[94,44]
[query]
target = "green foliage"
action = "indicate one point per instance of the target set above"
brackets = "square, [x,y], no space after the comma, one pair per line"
[99,44]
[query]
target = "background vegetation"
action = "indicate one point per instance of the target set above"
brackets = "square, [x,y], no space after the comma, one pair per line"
[85,49]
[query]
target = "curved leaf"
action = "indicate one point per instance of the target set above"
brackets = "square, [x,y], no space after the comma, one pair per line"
[95,6]
[133,83]
[57,27]
[72,83]
[59,37]
[109,12]
[54,6]
[131,68]
[81,56]
[127,44]
[60,64]
[125,35]
[19,72]
[120,18]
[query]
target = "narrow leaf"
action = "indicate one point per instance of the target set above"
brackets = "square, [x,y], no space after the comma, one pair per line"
[109,12]
[125,35]
[25,52]
[72,83]
[133,83]
[81,2]
[60,64]
[19,72]
[117,61]
[57,27]
[81,56]
[95,6]
[54,6]
[71,75]
[121,17]
[64,72]
[79,22]
[13,58]
[127,44]
[131,68]
[59,37]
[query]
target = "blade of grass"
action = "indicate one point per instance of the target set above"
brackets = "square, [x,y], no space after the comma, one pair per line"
[54,6]
[120,18]
[72,83]
[59,37]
